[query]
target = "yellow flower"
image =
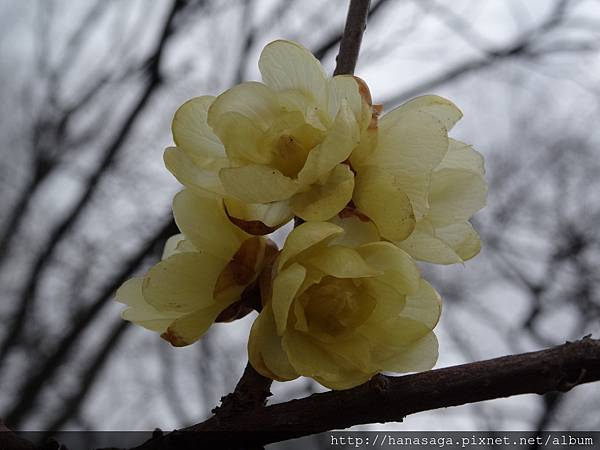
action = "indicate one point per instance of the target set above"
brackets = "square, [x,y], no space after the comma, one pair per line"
[204,271]
[274,149]
[341,314]
[418,186]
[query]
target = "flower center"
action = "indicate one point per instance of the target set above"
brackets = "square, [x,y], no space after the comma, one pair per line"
[291,147]
[335,306]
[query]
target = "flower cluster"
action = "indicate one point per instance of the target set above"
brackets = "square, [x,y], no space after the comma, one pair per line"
[343,299]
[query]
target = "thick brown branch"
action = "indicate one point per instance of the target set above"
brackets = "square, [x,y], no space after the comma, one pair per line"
[356,22]
[251,392]
[391,399]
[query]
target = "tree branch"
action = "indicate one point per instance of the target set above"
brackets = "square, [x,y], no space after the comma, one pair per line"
[356,22]
[391,399]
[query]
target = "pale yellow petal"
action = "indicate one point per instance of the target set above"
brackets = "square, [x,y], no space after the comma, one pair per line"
[442,109]
[285,287]
[462,238]
[189,328]
[419,356]
[341,139]
[287,65]
[424,245]
[357,230]
[397,267]
[251,99]
[272,215]
[310,359]
[417,318]
[308,236]
[389,301]
[204,222]
[171,245]
[462,156]
[203,181]
[293,100]
[380,196]
[411,143]
[183,283]
[450,244]
[342,262]
[257,184]
[265,351]
[323,201]
[177,244]
[455,195]
[139,311]
[344,89]
[245,141]
[424,306]
[347,380]
[354,350]
[240,118]
[410,139]
[192,134]
[398,331]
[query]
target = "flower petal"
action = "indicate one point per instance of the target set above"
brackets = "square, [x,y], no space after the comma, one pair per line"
[310,359]
[380,196]
[442,109]
[251,100]
[257,184]
[287,65]
[397,267]
[358,230]
[345,89]
[204,222]
[183,283]
[240,117]
[171,245]
[342,262]
[419,316]
[285,287]
[336,148]
[411,143]
[451,244]
[323,201]
[308,236]
[265,351]
[462,156]
[139,311]
[424,306]
[189,328]
[416,357]
[258,218]
[455,195]
[205,182]
[192,134]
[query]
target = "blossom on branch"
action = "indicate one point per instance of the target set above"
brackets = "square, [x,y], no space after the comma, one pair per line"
[343,300]
[274,149]
[418,186]
[203,272]
[340,314]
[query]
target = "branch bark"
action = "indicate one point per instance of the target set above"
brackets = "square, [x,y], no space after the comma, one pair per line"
[391,399]
[356,22]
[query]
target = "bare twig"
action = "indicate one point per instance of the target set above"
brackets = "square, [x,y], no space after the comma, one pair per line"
[356,22]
